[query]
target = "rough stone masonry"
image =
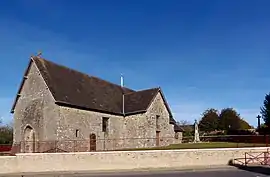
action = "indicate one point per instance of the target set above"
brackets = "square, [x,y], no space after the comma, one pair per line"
[56,107]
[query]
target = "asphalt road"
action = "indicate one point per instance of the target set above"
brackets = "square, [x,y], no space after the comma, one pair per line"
[258,172]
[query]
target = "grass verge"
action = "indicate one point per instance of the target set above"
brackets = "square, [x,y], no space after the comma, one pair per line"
[202,145]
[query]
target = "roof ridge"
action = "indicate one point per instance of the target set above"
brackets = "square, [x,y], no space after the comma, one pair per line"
[60,65]
[112,83]
[148,89]
[143,90]
[87,75]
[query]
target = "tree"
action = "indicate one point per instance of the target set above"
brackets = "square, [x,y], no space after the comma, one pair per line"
[209,120]
[265,110]
[183,122]
[229,119]
[263,130]
[6,134]
[244,125]
[187,127]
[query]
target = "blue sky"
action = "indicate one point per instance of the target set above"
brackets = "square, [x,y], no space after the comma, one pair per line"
[202,53]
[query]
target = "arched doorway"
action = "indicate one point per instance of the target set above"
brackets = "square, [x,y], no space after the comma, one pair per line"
[29,139]
[93,142]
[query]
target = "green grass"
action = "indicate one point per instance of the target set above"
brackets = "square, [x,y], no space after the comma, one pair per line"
[202,145]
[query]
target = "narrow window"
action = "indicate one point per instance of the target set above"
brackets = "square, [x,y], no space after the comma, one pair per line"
[157,121]
[105,121]
[77,133]
[176,135]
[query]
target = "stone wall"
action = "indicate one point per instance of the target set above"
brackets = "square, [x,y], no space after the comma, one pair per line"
[145,125]
[121,160]
[35,109]
[134,131]
[87,123]
[37,118]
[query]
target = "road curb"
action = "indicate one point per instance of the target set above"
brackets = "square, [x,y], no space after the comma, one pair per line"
[129,171]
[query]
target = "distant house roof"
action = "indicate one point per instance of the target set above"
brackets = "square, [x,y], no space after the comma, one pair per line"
[187,128]
[75,89]
[178,128]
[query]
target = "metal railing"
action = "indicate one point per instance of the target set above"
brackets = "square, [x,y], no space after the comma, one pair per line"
[93,145]
[86,145]
[257,157]
[254,158]
[5,147]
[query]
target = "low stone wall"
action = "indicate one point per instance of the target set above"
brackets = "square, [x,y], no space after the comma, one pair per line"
[8,164]
[120,160]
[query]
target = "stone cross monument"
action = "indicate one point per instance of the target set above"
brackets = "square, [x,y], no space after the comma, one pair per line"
[196,133]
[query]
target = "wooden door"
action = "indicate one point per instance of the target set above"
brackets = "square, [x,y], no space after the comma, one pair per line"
[157,138]
[93,142]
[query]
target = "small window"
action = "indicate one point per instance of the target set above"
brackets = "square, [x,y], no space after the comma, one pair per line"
[105,121]
[176,135]
[157,121]
[77,133]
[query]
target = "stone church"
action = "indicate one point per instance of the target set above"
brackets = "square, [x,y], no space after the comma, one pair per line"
[57,107]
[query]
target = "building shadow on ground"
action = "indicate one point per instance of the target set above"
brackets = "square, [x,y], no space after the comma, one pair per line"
[262,169]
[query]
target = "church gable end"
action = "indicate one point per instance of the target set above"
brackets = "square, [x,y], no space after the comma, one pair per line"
[32,105]
[158,108]
[32,85]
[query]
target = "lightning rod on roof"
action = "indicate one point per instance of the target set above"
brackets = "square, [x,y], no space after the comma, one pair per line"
[122,80]
[123,96]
